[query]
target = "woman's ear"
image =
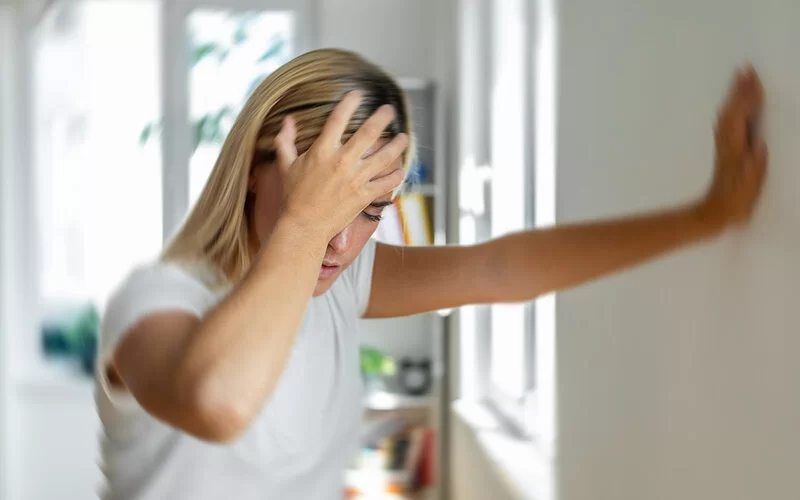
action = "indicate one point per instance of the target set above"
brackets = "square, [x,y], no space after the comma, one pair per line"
[251,182]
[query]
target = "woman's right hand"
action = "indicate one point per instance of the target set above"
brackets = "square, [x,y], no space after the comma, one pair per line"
[326,187]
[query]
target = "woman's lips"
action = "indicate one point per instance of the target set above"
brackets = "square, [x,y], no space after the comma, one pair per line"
[328,271]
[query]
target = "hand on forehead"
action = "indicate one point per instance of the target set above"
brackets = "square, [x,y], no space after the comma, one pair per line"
[397,164]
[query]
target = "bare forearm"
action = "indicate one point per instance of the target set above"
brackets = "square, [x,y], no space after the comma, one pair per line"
[237,354]
[529,264]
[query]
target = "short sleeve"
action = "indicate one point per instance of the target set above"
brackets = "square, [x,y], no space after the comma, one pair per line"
[360,275]
[146,290]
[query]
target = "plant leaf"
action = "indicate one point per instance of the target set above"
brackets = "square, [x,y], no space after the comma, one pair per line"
[144,135]
[215,134]
[243,23]
[240,35]
[148,131]
[200,131]
[222,128]
[204,50]
[272,51]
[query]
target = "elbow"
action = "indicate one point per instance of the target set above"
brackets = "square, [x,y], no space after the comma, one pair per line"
[218,416]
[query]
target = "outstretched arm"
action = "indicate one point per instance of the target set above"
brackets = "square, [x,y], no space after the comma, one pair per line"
[523,266]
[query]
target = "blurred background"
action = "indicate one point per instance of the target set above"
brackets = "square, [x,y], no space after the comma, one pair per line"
[674,380]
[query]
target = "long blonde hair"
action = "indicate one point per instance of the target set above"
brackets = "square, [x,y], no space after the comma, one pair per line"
[216,231]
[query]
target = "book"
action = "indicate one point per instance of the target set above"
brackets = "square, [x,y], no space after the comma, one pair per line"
[427,467]
[415,219]
[402,463]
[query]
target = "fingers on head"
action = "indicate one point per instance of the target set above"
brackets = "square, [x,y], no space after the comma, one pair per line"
[285,148]
[387,183]
[386,155]
[370,131]
[337,122]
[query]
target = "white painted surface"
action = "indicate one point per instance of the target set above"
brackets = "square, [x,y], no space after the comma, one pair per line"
[6,250]
[678,380]
[490,458]
[396,35]
[475,476]
[58,443]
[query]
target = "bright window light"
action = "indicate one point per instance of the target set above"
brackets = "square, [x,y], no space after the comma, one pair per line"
[231,53]
[98,190]
[508,204]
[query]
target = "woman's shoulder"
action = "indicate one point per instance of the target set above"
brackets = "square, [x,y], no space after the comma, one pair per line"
[157,273]
[160,284]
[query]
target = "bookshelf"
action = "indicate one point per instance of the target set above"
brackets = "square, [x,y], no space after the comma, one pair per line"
[421,209]
[387,401]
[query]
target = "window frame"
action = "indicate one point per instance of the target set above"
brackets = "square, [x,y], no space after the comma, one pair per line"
[517,412]
[8,244]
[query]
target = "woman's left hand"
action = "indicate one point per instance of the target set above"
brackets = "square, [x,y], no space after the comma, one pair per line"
[741,155]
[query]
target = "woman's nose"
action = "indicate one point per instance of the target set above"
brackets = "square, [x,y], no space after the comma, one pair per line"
[341,241]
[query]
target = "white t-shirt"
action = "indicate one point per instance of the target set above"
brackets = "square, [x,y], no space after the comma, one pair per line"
[299,445]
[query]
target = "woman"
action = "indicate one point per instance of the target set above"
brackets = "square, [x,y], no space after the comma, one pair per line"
[229,368]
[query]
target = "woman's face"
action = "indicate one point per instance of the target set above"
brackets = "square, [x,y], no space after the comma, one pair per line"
[342,249]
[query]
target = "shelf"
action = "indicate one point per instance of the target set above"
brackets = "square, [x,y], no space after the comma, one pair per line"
[373,484]
[391,401]
[421,495]
[412,83]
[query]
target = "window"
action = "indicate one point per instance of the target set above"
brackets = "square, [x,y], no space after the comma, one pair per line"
[509,187]
[113,95]
[231,54]
[511,337]
[215,52]
[96,77]
[510,87]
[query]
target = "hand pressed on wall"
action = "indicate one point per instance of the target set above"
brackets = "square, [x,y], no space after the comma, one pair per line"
[741,154]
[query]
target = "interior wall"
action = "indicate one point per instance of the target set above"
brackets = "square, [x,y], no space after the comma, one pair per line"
[397,35]
[6,76]
[678,379]
[474,476]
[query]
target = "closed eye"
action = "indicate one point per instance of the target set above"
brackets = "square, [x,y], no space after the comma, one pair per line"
[371,217]
[379,206]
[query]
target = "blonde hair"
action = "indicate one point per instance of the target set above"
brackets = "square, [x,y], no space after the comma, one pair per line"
[216,230]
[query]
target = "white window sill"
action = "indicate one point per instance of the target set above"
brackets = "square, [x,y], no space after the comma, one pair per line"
[518,463]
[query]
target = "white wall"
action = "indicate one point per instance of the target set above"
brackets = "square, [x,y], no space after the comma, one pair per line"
[474,476]
[6,159]
[398,35]
[678,380]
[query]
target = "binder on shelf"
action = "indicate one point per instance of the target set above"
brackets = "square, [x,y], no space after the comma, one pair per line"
[406,221]
[415,219]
